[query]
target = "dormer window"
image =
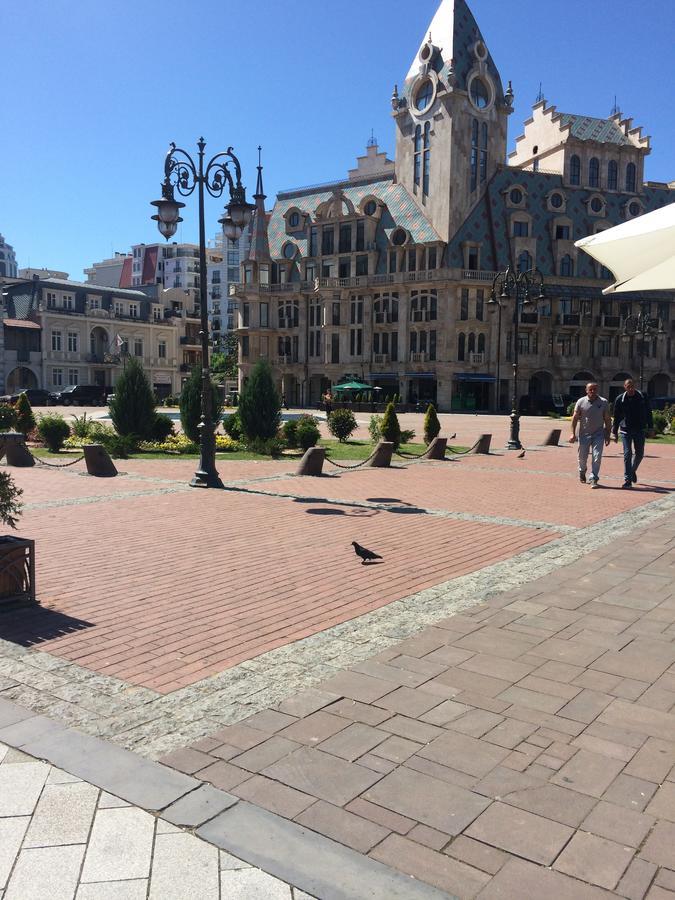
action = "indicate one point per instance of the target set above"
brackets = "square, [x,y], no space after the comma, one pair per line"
[424,95]
[294,220]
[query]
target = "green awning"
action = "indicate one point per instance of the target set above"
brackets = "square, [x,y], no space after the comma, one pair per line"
[353,386]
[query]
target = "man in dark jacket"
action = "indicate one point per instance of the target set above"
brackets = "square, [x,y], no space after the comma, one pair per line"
[632,419]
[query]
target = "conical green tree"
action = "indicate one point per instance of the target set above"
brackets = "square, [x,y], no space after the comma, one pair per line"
[390,429]
[25,420]
[132,407]
[260,404]
[191,404]
[431,424]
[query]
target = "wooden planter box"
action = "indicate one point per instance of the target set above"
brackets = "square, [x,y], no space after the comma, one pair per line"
[17,570]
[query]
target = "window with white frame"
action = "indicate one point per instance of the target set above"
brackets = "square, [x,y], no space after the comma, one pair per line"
[68,301]
[138,346]
[119,308]
[133,310]
[72,342]
[57,377]
[161,349]
[73,376]
[94,303]
[56,340]
[51,300]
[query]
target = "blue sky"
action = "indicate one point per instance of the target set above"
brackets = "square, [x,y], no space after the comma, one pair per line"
[94,93]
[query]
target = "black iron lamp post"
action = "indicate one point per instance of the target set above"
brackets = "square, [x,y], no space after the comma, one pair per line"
[181,174]
[642,326]
[526,289]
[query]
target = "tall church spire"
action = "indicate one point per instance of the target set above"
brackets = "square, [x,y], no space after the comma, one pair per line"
[260,248]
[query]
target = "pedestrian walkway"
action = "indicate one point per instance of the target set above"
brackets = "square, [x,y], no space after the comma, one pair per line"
[62,838]
[522,749]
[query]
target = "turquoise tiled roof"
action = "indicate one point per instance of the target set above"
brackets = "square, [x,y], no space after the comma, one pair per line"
[401,211]
[586,128]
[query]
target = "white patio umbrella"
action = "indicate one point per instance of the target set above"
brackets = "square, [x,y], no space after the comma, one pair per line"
[640,253]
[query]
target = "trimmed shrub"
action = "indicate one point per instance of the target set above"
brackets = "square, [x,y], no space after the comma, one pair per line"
[432,426]
[570,407]
[162,427]
[132,407]
[260,405]
[10,507]
[266,446]
[289,431]
[342,424]
[308,433]
[81,426]
[232,426]
[660,421]
[25,420]
[375,428]
[120,445]
[191,404]
[7,417]
[391,430]
[52,430]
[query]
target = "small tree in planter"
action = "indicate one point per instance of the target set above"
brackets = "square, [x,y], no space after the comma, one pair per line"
[25,420]
[341,424]
[132,407]
[390,429]
[432,426]
[260,405]
[17,555]
[308,433]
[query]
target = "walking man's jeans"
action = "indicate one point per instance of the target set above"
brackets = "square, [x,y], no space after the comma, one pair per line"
[595,443]
[633,451]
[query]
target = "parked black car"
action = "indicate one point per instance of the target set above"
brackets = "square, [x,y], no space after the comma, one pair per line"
[661,402]
[36,397]
[80,395]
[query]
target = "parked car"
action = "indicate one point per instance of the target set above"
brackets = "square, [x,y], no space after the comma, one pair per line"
[36,397]
[661,402]
[80,395]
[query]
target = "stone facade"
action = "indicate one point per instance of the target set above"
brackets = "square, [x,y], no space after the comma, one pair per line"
[386,275]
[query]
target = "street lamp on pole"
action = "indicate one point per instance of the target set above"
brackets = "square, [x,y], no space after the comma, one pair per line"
[526,289]
[182,174]
[643,326]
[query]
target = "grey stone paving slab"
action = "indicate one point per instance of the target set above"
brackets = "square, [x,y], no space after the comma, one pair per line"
[245,884]
[120,846]
[20,787]
[117,771]
[184,867]
[12,831]
[29,730]
[114,890]
[46,872]
[11,713]
[315,864]
[199,806]
[63,815]
[110,801]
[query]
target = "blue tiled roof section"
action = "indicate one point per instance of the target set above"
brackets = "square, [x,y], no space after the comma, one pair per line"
[19,306]
[586,128]
[491,218]
[401,212]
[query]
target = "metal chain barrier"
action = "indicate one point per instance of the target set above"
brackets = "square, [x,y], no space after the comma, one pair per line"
[463,452]
[42,462]
[357,466]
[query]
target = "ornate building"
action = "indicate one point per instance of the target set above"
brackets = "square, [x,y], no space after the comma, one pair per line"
[387,274]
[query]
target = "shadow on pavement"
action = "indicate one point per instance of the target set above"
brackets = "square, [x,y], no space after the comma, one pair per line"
[27,626]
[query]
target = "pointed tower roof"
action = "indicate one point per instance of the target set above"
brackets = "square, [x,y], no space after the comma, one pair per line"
[455,34]
[260,248]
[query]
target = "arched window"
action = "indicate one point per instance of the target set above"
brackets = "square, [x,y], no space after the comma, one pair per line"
[483,151]
[524,262]
[426,161]
[612,175]
[418,155]
[594,172]
[474,154]
[472,343]
[461,343]
[481,343]
[630,177]
[567,265]
[575,170]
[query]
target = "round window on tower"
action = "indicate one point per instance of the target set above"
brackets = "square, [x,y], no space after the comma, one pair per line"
[424,95]
[289,251]
[399,237]
[634,209]
[480,93]
[370,208]
[556,201]
[516,196]
[596,204]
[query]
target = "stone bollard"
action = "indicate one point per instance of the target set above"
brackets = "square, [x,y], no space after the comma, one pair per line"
[98,461]
[312,462]
[14,446]
[482,445]
[382,456]
[553,439]
[437,448]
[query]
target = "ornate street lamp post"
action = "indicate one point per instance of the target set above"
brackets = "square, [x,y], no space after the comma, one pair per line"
[642,326]
[520,287]
[182,174]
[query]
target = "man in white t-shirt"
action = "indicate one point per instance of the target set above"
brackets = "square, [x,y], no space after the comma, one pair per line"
[591,414]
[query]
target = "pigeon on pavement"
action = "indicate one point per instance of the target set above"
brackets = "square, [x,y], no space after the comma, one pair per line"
[452,436]
[521,455]
[365,554]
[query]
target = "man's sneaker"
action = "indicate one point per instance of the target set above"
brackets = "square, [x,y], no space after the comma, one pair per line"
[582,477]
[627,484]
[594,483]
[633,478]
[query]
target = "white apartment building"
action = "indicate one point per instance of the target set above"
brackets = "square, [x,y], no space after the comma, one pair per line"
[7,259]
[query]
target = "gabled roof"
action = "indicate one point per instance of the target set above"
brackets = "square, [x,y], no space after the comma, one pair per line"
[587,128]
[401,212]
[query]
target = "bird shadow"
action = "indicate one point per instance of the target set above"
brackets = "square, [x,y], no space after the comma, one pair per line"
[354,513]
[372,562]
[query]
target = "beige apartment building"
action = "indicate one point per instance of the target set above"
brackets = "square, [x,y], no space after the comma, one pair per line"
[385,276]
